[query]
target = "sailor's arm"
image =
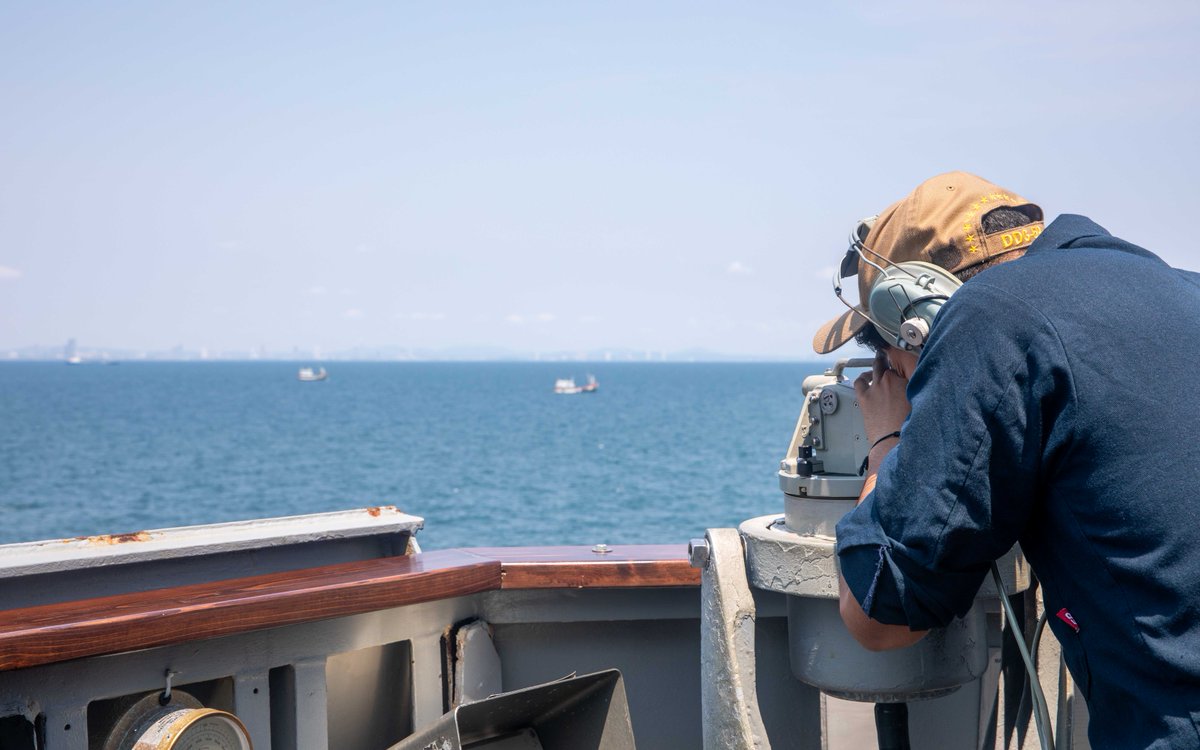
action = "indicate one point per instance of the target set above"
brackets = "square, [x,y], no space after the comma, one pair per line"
[872,634]
[885,406]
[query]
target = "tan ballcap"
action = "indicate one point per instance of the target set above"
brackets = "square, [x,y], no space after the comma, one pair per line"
[939,222]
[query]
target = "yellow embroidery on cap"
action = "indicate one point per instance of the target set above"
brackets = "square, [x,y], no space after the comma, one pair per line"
[970,239]
[1018,237]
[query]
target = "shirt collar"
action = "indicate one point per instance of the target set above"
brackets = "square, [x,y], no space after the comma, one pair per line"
[1066,229]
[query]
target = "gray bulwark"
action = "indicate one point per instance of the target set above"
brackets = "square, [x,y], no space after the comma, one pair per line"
[59,570]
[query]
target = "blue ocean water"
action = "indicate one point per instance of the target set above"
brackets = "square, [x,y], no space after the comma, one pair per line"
[486,453]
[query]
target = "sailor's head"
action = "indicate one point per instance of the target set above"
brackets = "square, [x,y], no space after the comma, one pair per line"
[957,221]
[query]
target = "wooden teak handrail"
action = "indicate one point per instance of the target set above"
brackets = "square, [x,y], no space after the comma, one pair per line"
[51,633]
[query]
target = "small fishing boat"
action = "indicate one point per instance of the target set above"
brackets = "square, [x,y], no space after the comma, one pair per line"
[309,375]
[567,386]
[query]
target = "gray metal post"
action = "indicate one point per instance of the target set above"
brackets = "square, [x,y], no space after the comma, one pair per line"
[729,698]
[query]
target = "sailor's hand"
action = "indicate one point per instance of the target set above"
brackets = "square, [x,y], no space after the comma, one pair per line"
[884,403]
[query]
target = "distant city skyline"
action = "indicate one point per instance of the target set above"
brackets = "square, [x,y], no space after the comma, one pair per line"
[75,353]
[531,177]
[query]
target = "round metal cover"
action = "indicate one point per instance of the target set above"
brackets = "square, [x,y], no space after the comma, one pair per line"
[829,401]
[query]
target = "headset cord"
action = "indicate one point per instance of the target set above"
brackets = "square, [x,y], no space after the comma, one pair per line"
[1024,703]
[1041,714]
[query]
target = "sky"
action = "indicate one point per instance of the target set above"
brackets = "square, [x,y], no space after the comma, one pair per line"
[544,176]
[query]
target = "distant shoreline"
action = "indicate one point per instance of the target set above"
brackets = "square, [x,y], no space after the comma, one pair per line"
[367,360]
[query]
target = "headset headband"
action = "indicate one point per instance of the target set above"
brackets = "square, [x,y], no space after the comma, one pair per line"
[915,290]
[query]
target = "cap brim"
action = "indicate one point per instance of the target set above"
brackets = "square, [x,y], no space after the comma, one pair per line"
[838,331]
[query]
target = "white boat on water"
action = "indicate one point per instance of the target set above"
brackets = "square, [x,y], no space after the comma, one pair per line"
[309,375]
[567,386]
[71,354]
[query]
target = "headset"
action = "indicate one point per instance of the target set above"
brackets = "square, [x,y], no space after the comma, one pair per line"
[904,298]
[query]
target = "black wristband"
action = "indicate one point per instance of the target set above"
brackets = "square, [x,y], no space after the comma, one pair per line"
[862,469]
[895,434]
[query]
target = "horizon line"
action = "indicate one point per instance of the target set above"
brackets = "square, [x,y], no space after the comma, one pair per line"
[712,359]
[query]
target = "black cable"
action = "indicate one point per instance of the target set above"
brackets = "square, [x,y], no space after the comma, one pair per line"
[891,726]
[1037,635]
[1041,713]
[1024,704]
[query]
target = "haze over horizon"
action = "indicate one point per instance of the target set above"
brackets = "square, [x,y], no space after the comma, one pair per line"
[76,352]
[543,177]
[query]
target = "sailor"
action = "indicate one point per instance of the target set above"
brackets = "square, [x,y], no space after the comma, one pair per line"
[1049,400]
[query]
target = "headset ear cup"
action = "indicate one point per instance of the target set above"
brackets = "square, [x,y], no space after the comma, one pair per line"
[904,301]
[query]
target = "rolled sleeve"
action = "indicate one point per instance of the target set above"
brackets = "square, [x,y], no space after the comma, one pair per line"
[865,558]
[897,585]
[894,587]
[958,489]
